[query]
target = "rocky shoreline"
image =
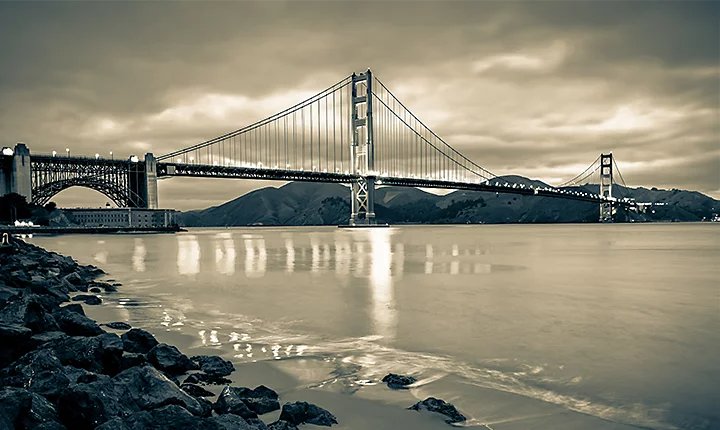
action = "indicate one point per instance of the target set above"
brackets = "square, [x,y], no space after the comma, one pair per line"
[59,369]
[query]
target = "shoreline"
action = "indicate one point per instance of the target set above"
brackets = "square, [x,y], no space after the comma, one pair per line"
[62,370]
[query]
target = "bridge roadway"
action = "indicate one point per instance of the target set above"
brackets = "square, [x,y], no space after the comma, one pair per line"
[494,185]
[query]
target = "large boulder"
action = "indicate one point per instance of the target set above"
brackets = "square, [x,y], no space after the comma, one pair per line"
[205,379]
[15,404]
[213,365]
[88,299]
[230,403]
[397,382]
[99,354]
[42,415]
[13,339]
[132,359]
[169,359]
[29,312]
[138,340]
[196,390]
[441,407]
[86,406]
[231,422]
[74,307]
[150,389]
[23,371]
[281,425]
[306,413]
[75,324]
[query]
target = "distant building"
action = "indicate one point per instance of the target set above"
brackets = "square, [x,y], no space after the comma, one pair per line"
[123,217]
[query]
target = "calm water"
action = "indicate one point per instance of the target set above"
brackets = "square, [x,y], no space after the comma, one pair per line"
[616,321]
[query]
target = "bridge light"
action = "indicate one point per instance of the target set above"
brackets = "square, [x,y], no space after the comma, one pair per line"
[179,160]
[259,164]
[67,151]
[214,163]
[8,151]
[134,158]
[54,153]
[287,166]
[97,156]
[192,159]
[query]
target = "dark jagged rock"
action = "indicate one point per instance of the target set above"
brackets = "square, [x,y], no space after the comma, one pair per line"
[74,307]
[175,417]
[95,290]
[231,422]
[42,414]
[74,279]
[99,354]
[138,340]
[15,404]
[22,372]
[75,324]
[12,339]
[150,389]
[88,299]
[132,359]
[398,382]
[196,390]
[169,359]
[282,425]
[260,400]
[118,325]
[49,384]
[440,406]
[205,379]
[206,406]
[213,365]
[306,413]
[86,406]
[229,403]
[29,312]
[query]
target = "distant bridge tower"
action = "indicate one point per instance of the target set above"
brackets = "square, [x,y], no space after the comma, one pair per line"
[606,183]
[362,154]
[15,171]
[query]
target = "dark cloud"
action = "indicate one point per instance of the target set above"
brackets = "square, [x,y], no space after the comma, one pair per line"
[533,88]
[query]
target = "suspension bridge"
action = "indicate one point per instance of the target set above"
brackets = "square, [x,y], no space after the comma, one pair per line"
[355,132]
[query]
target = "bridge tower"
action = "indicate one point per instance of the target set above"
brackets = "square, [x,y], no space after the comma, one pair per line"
[362,154]
[142,181]
[606,183]
[15,171]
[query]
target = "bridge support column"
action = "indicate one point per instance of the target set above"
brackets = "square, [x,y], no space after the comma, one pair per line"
[606,183]
[21,176]
[143,183]
[362,154]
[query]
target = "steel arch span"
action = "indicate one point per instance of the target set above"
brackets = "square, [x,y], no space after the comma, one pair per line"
[119,195]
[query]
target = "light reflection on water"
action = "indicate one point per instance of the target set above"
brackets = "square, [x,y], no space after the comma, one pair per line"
[613,319]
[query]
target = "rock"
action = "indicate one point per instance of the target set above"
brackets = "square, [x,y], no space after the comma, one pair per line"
[261,400]
[175,417]
[282,425]
[196,390]
[74,279]
[12,339]
[86,406]
[169,359]
[74,307]
[206,406]
[257,424]
[213,365]
[398,382]
[49,384]
[23,371]
[441,407]
[118,325]
[231,422]
[150,389]
[88,299]
[28,311]
[75,324]
[302,412]
[205,379]
[95,290]
[42,414]
[132,359]
[230,403]
[15,404]
[42,338]
[138,340]
[99,354]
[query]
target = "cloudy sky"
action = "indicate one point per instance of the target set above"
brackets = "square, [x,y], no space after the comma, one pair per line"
[533,88]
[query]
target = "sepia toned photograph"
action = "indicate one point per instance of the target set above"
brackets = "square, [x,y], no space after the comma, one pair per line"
[379,214]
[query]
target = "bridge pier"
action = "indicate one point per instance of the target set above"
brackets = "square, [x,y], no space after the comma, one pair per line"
[143,183]
[362,153]
[606,183]
[15,172]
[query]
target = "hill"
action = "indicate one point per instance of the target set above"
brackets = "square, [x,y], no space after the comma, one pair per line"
[300,203]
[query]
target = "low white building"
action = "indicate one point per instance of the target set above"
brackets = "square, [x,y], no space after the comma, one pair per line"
[123,217]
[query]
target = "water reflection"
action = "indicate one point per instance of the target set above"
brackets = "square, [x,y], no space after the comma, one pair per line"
[225,253]
[255,256]
[188,257]
[138,257]
[289,255]
[383,312]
